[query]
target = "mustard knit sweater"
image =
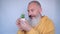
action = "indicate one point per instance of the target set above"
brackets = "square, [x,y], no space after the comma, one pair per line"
[45,26]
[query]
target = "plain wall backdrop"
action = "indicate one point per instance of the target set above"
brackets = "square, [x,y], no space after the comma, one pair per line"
[10,10]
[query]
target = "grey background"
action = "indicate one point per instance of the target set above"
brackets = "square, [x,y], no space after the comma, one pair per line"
[10,10]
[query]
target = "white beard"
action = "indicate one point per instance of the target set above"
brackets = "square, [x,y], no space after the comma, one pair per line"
[35,21]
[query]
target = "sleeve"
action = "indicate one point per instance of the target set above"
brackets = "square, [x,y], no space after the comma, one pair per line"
[50,32]
[20,32]
[33,31]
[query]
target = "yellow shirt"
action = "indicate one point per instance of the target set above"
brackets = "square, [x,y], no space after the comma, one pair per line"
[45,26]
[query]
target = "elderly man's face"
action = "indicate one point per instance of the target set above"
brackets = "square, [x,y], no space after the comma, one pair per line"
[33,10]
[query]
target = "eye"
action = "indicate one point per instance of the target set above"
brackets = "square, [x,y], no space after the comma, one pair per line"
[28,10]
[32,10]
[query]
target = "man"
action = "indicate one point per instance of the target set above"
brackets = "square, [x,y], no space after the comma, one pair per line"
[37,24]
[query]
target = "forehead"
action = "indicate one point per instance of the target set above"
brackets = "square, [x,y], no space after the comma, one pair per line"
[32,5]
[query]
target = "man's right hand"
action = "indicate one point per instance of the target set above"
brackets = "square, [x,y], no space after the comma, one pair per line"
[18,24]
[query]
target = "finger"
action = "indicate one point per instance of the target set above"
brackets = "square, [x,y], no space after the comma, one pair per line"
[23,23]
[20,27]
[18,21]
[26,22]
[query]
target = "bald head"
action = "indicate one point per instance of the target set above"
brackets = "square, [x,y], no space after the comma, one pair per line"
[36,2]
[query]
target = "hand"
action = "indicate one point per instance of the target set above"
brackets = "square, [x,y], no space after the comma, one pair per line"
[18,24]
[23,25]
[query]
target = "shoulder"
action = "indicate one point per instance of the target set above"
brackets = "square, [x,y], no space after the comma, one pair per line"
[45,19]
[48,23]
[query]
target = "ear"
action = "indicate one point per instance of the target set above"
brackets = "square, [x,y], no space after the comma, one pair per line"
[40,10]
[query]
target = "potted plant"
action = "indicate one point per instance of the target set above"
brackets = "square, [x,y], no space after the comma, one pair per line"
[22,17]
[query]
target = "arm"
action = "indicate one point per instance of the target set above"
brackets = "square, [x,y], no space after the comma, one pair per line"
[49,27]
[20,32]
[33,31]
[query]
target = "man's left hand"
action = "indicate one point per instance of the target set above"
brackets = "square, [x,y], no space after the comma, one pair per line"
[25,25]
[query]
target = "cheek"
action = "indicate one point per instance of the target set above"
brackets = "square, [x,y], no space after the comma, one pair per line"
[36,13]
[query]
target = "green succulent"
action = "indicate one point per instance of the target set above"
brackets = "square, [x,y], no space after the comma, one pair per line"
[22,15]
